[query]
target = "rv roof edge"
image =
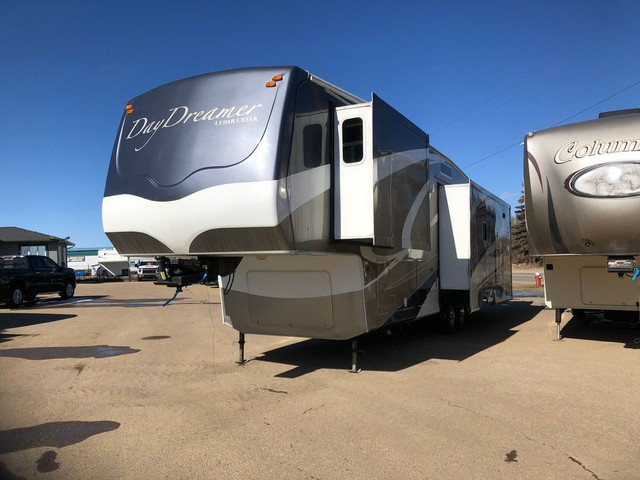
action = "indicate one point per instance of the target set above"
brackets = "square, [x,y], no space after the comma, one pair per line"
[336,90]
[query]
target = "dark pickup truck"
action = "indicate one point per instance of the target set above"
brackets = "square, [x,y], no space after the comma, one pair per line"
[24,277]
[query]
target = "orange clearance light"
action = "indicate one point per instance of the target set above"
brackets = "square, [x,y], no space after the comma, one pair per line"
[270,84]
[277,78]
[129,109]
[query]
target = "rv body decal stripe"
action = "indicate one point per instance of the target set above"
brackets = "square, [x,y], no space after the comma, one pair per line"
[556,236]
[411,216]
[533,161]
[305,186]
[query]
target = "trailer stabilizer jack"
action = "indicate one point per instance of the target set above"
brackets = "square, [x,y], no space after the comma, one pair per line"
[241,360]
[558,321]
[354,356]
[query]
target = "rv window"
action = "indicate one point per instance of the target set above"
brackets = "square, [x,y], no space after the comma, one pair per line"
[312,145]
[446,170]
[352,145]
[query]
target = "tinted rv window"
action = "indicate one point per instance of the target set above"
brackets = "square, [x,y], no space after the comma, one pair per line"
[446,170]
[312,145]
[352,147]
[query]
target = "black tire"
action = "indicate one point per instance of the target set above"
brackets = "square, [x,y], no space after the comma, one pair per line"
[67,290]
[16,296]
[447,320]
[461,316]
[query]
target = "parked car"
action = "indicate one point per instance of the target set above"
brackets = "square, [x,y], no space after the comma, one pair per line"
[147,269]
[24,277]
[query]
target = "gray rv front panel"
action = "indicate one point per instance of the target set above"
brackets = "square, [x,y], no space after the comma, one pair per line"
[178,138]
[210,155]
[582,188]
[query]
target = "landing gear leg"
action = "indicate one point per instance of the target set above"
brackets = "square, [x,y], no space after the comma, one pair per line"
[558,321]
[241,360]
[354,356]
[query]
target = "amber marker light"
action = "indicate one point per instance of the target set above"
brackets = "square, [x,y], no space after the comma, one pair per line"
[129,109]
[274,79]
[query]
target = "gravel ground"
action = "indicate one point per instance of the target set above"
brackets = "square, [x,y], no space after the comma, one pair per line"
[112,385]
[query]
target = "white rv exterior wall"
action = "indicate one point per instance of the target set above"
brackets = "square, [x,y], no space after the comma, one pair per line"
[455,236]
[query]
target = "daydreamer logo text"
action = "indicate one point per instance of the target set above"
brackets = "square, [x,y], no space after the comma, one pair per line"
[143,129]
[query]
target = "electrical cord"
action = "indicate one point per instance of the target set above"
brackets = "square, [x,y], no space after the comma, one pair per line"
[178,290]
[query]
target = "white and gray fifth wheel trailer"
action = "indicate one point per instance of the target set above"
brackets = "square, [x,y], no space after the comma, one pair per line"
[582,206]
[317,210]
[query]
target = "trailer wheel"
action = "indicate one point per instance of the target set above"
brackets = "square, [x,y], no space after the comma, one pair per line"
[461,316]
[17,296]
[447,320]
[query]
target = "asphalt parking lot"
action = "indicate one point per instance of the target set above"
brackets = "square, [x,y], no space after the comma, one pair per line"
[111,385]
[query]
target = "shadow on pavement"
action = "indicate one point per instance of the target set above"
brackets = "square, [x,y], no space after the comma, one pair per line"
[107,301]
[56,434]
[52,300]
[17,320]
[50,353]
[404,346]
[619,327]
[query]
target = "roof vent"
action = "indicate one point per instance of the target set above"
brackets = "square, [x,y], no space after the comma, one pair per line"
[615,113]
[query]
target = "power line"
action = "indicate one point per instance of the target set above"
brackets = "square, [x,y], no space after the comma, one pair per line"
[596,104]
[519,142]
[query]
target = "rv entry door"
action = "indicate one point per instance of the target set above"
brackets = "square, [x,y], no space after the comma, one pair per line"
[354,179]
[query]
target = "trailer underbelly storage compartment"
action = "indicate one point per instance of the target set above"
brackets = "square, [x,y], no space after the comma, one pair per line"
[582,282]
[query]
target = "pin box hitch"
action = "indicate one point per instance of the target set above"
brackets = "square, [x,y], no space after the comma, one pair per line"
[181,272]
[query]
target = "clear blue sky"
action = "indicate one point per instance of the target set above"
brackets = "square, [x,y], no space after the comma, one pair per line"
[476,76]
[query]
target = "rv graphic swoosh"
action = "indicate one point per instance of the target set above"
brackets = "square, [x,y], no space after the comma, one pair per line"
[533,161]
